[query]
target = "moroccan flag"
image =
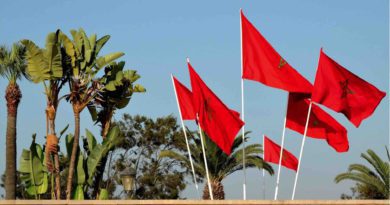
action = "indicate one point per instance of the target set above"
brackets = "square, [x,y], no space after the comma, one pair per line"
[344,92]
[321,125]
[262,63]
[215,118]
[272,154]
[184,98]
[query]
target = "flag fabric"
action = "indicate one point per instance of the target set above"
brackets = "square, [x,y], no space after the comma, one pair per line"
[344,92]
[214,117]
[321,125]
[184,98]
[262,63]
[272,154]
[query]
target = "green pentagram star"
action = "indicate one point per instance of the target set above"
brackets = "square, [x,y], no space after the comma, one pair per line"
[345,89]
[282,62]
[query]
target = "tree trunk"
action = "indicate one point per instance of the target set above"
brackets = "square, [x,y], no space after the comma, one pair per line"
[12,96]
[72,162]
[218,192]
[51,112]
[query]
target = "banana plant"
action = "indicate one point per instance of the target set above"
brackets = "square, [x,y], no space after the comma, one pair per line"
[119,86]
[45,65]
[84,63]
[33,172]
[89,159]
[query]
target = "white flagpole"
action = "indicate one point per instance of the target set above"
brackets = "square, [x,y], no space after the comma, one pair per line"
[281,152]
[185,135]
[205,162]
[300,154]
[243,118]
[263,170]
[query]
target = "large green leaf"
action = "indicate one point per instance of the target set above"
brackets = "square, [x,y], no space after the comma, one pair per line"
[103,195]
[90,139]
[32,169]
[78,193]
[36,66]
[80,173]
[107,59]
[53,55]
[93,161]
[69,144]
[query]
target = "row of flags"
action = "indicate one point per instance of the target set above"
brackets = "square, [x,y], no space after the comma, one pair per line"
[335,87]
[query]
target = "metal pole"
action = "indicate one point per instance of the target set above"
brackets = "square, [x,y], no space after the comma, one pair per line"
[185,135]
[243,117]
[300,154]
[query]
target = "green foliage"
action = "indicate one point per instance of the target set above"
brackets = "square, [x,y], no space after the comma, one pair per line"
[220,165]
[12,62]
[46,63]
[371,183]
[33,171]
[145,138]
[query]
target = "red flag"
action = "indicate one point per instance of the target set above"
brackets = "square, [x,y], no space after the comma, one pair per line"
[262,63]
[344,92]
[215,118]
[184,98]
[321,125]
[272,154]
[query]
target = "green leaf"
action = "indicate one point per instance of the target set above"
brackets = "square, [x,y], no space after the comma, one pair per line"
[139,88]
[69,144]
[64,130]
[93,112]
[78,193]
[107,59]
[93,162]
[90,139]
[103,195]
[53,55]
[80,173]
[100,43]
[32,170]
[37,65]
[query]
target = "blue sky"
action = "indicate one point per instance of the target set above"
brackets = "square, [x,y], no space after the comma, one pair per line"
[157,36]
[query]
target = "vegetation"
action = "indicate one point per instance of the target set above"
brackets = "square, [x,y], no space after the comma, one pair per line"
[220,165]
[13,68]
[145,139]
[371,183]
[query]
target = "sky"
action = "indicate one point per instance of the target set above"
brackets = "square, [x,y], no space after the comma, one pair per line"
[157,36]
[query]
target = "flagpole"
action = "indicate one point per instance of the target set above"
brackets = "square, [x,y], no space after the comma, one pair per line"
[186,138]
[281,152]
[300,154]
[243,117]
[205,162]
[263,170]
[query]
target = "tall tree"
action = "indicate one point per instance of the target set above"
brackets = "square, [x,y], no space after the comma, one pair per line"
[145,139]
[372,183]
[85,62]
[12,67]
[45,65]
[220,165]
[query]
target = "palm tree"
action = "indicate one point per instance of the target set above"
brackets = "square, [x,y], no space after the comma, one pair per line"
[374,183]
[84,63]
[46,66]
[220,165]
[12,67]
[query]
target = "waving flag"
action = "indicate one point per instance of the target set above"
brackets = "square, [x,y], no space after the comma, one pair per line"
[321,125]
[344,92]
[215,118]
[272,154]
[262,63]
[184,96]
